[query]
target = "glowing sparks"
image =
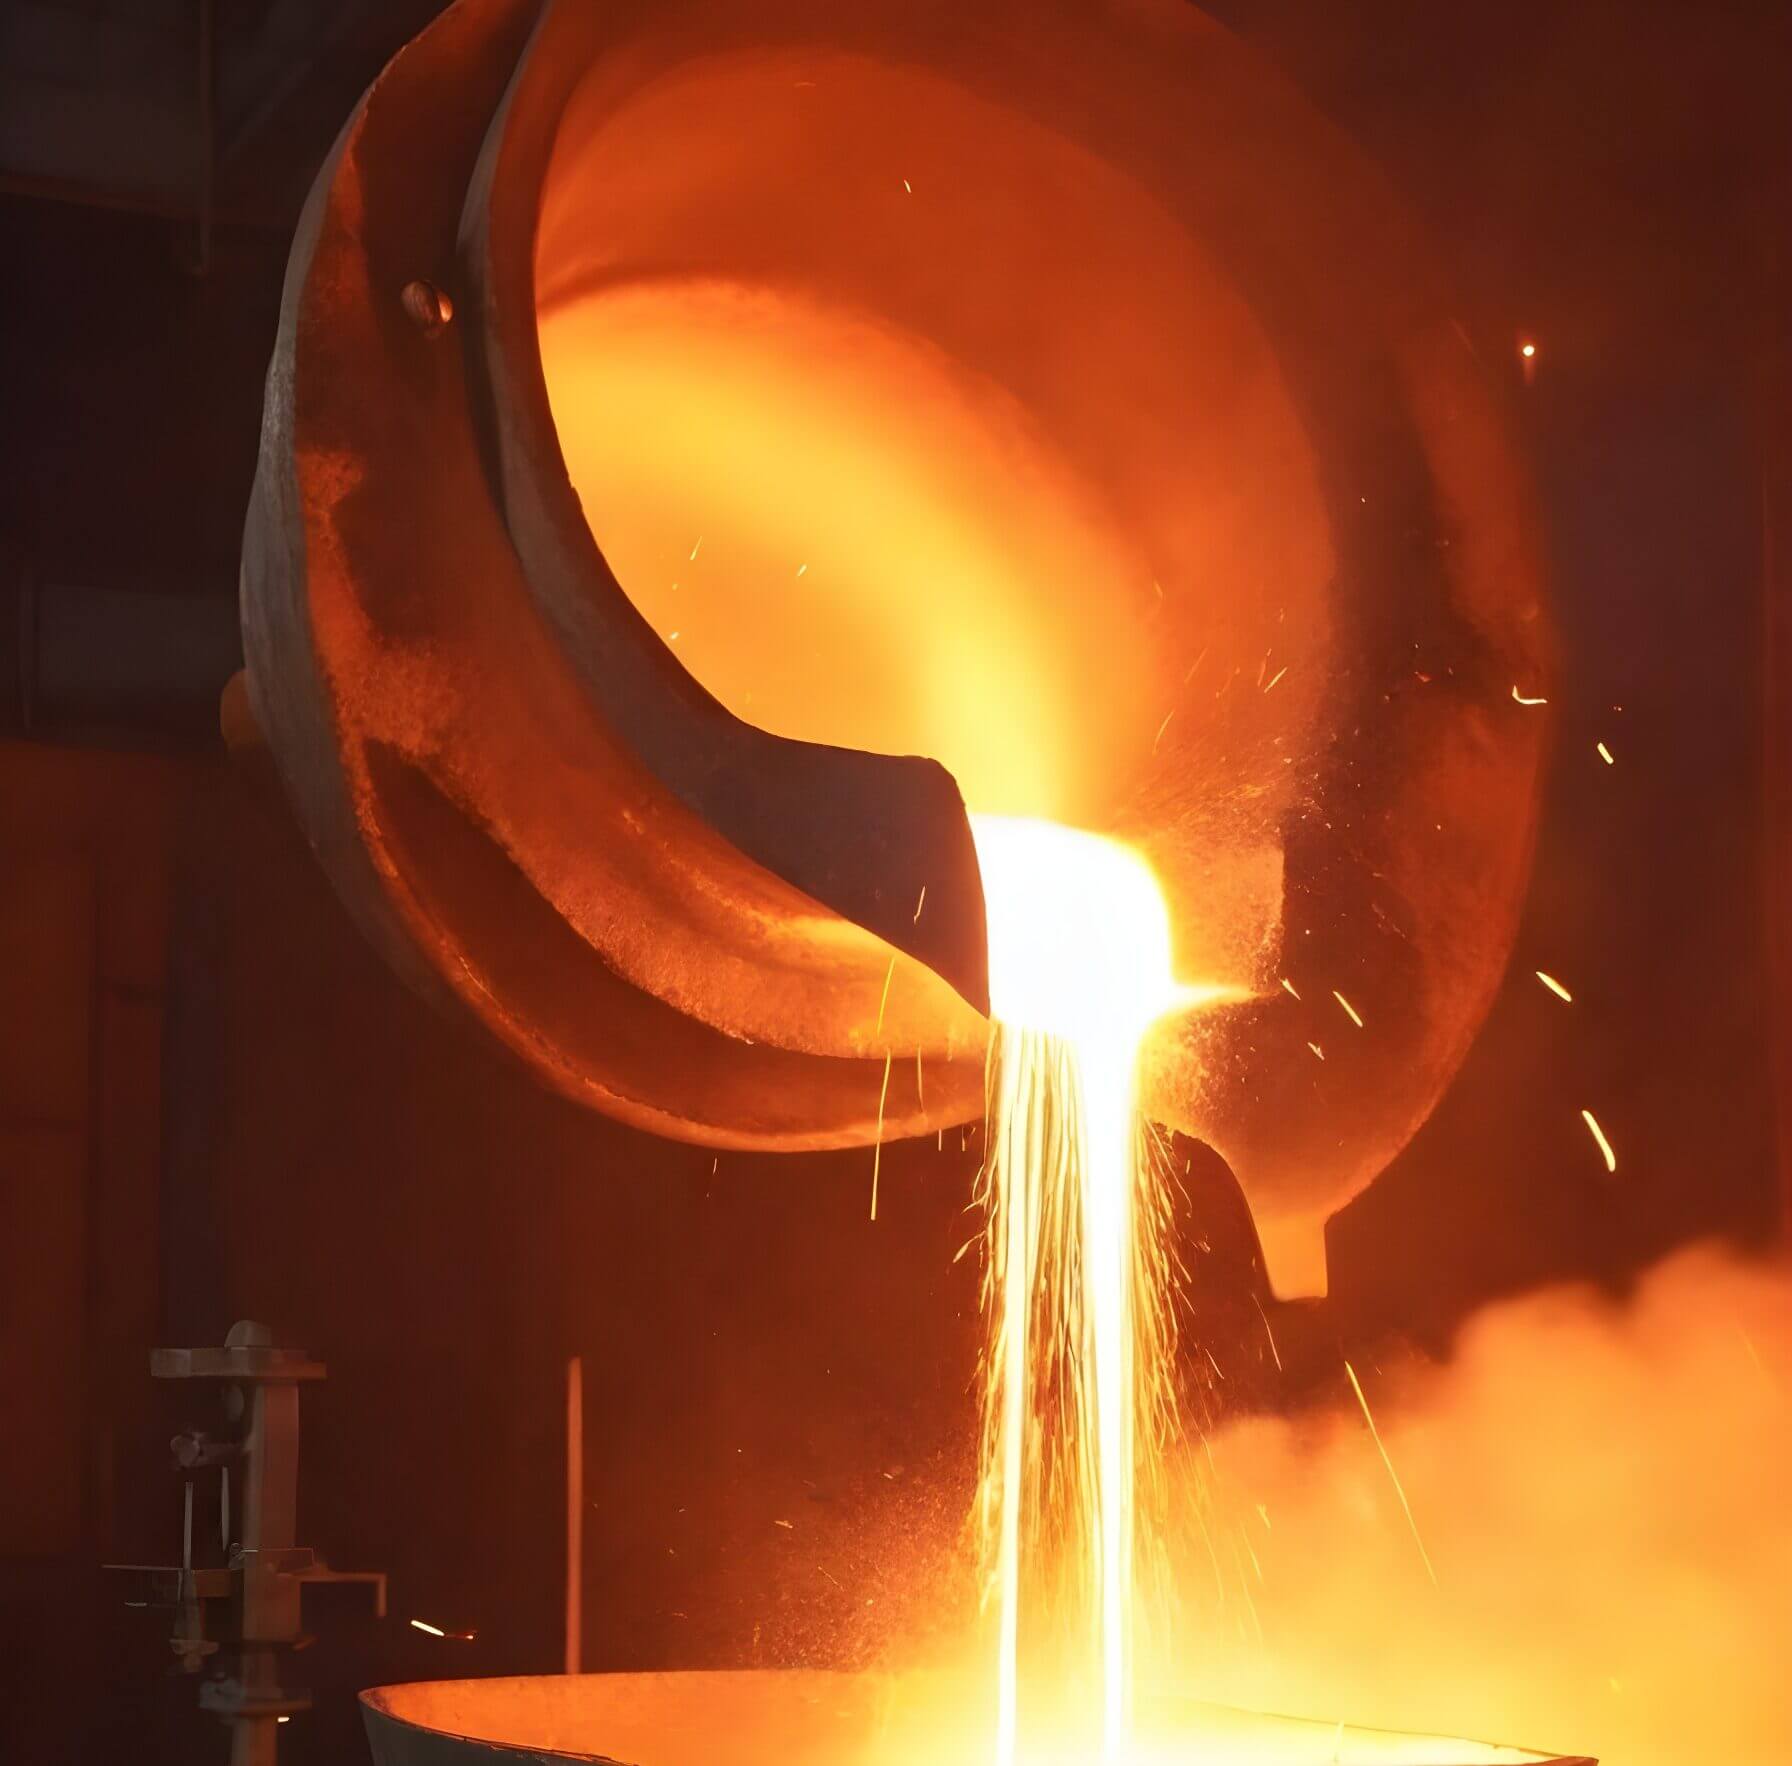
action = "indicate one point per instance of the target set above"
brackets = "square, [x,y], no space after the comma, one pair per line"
[1598,1134]
[1273,1350]
[889,976]
[877,1152]
[1554,986]
[1016,1176]
[1317,1050]
[695,548]
[1605,754]
[1350,1011]
[1288,987]
[1393,1477]
[920,903]
[1528,351]
[906,185]
[1275,677]
[1079,968]
[1519,698]
[424,1625]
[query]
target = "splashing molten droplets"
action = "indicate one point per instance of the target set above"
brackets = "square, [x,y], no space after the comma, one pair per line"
[1080,968]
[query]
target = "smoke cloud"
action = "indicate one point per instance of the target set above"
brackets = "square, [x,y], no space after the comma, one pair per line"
[1604,1491]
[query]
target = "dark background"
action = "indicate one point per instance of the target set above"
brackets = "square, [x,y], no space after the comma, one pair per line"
[214,1101]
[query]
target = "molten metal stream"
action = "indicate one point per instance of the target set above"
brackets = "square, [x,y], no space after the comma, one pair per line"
[1080,968]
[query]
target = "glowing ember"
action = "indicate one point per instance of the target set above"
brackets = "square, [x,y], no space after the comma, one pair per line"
[1554,985]
[877,1151]
[1598,1134]
[1356,1386]
[1080,967]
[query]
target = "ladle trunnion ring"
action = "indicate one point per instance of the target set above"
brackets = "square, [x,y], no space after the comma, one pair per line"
[1292,557]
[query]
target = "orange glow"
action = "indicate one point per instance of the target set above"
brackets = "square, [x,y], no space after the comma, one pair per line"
[1527,350]
[944,502]
[806,1717]
[1602,1485]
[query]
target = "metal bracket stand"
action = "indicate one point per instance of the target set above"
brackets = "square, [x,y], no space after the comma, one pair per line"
[258,1583]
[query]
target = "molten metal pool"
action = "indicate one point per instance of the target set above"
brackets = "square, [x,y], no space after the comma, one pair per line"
[806,1718]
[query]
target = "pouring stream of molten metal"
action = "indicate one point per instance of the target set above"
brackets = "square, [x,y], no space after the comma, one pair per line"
[1079,969]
